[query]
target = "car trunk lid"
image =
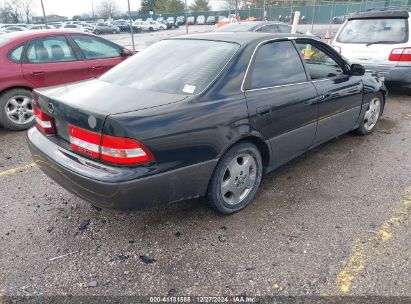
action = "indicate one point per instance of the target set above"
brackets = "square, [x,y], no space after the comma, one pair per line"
[87,104]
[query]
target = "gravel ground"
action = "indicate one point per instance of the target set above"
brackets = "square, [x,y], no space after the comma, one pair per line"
[315,220]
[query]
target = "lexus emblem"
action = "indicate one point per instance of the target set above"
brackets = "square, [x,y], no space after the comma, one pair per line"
[50,107]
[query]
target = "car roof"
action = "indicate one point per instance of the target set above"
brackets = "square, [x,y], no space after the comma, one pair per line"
[241,38]
[38,33]
[379,14]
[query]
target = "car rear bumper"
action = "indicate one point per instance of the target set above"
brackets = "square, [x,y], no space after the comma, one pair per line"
[110,186]
[401,75]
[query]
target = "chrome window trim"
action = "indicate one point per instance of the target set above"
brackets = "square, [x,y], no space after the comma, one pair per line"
[252,58]
[278,86]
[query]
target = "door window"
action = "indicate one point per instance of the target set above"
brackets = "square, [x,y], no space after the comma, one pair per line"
[277,63]
[94,48]
[319,64]
[50,49]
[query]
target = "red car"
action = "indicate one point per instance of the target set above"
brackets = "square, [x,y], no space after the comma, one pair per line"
[34,59]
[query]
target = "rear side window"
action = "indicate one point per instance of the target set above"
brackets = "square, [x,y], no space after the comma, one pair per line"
[50,49]
[94,48]
[277,63]
[15,55]
[374,31]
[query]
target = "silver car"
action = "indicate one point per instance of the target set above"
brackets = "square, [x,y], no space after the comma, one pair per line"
[102,28]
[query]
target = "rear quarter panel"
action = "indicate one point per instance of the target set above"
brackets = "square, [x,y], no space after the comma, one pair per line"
[184,133]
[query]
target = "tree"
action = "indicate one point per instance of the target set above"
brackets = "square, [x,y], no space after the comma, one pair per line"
[108,9]
[26,7]
[12,10]
[147,6]
[169,6]
[200,5]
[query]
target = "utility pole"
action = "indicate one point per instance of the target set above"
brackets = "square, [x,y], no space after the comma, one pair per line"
[312,21]
[236,9]
[131,26]
[44,13]
[185,13]
[264,11]
[92,9]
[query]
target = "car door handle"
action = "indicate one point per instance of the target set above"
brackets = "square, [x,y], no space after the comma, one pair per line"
[324,96]
[39,73]
[263,110]
[99,67]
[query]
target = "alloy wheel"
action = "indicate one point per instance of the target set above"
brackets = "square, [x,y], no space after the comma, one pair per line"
[19,109]
[239,178]
[372,114]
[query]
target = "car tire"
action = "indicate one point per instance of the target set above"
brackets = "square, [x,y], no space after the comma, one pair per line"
[150,29]
[19,100]
[97,32]
[114,32]
[371,116]
[235,179]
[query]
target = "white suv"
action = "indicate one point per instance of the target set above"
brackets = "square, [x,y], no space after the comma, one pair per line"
[378,40]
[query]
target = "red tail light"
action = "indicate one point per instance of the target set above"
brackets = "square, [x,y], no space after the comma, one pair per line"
[124,151]
[44,122]
[110,149]
[400,54]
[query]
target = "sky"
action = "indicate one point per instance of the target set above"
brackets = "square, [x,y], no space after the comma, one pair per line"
[70,8]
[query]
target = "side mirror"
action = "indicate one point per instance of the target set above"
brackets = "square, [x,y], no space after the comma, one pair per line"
[357,70]
[127,53]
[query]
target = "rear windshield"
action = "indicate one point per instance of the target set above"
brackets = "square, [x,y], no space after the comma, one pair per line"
[173,66]
[374,31]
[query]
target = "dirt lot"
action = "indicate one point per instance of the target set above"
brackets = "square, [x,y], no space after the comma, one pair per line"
[334,221]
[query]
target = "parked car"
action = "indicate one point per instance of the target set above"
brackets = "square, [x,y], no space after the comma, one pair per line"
[191,20]
[180,20]
[116,140]
[170,23]
[201,19]
[256,26]
[42,27]
[339,19]
[16,28]
[380,41]
[33,59]
[124,26]
[211,20]
[75,27]
[102,28]
[152,26]
[160,19]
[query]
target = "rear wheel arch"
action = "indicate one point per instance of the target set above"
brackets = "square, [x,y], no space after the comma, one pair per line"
[263,147]
[16,87]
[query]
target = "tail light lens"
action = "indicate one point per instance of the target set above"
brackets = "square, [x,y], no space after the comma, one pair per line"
[124,151]
[400,54]
[110,149]
[44,122]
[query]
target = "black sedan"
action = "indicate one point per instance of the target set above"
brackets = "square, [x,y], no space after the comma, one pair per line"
[231,107]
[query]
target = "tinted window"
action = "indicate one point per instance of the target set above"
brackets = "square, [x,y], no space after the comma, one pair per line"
[374,30]
[15,55]
[271,28]
[192,67]
[319,64]
[277,63]
[94,48]
[50,49]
